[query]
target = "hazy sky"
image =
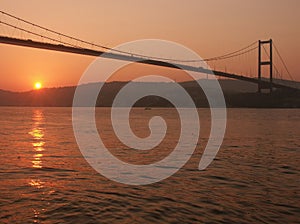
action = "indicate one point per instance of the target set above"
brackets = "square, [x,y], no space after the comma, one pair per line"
[210,28]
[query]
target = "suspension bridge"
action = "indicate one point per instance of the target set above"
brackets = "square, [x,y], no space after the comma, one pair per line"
[17,31]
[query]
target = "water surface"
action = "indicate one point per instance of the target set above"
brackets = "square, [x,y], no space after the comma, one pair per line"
[254,179]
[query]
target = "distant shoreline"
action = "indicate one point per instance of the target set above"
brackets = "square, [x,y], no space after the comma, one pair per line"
[238,94]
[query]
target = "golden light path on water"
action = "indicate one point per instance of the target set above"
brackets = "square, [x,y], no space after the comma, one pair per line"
[37,133]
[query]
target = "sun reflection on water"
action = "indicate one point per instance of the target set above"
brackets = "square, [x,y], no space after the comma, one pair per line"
[36,183]
[37,133]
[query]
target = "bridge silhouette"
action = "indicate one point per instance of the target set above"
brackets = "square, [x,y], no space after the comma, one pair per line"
[73,45]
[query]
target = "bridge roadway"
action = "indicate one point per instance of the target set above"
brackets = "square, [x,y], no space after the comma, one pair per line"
[118,56]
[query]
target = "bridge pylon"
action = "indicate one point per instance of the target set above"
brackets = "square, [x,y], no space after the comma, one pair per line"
[261,63]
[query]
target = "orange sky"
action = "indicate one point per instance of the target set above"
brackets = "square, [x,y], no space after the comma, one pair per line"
[210,28]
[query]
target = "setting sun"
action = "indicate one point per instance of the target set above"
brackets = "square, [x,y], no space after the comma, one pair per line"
[37,85]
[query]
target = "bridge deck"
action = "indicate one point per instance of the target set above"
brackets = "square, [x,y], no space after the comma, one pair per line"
[90,52]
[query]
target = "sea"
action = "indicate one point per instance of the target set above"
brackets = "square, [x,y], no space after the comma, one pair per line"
[255,177]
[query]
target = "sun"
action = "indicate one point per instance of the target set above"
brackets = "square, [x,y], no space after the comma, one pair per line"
[37,85]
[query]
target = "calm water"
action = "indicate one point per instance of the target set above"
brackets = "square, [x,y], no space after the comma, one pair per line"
[254,179]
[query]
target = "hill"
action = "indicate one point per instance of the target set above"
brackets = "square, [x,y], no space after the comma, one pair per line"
[237,94]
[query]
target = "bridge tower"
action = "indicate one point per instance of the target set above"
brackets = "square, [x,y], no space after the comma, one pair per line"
[265,63]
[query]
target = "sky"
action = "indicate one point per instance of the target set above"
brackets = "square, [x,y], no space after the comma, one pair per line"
[208,27]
